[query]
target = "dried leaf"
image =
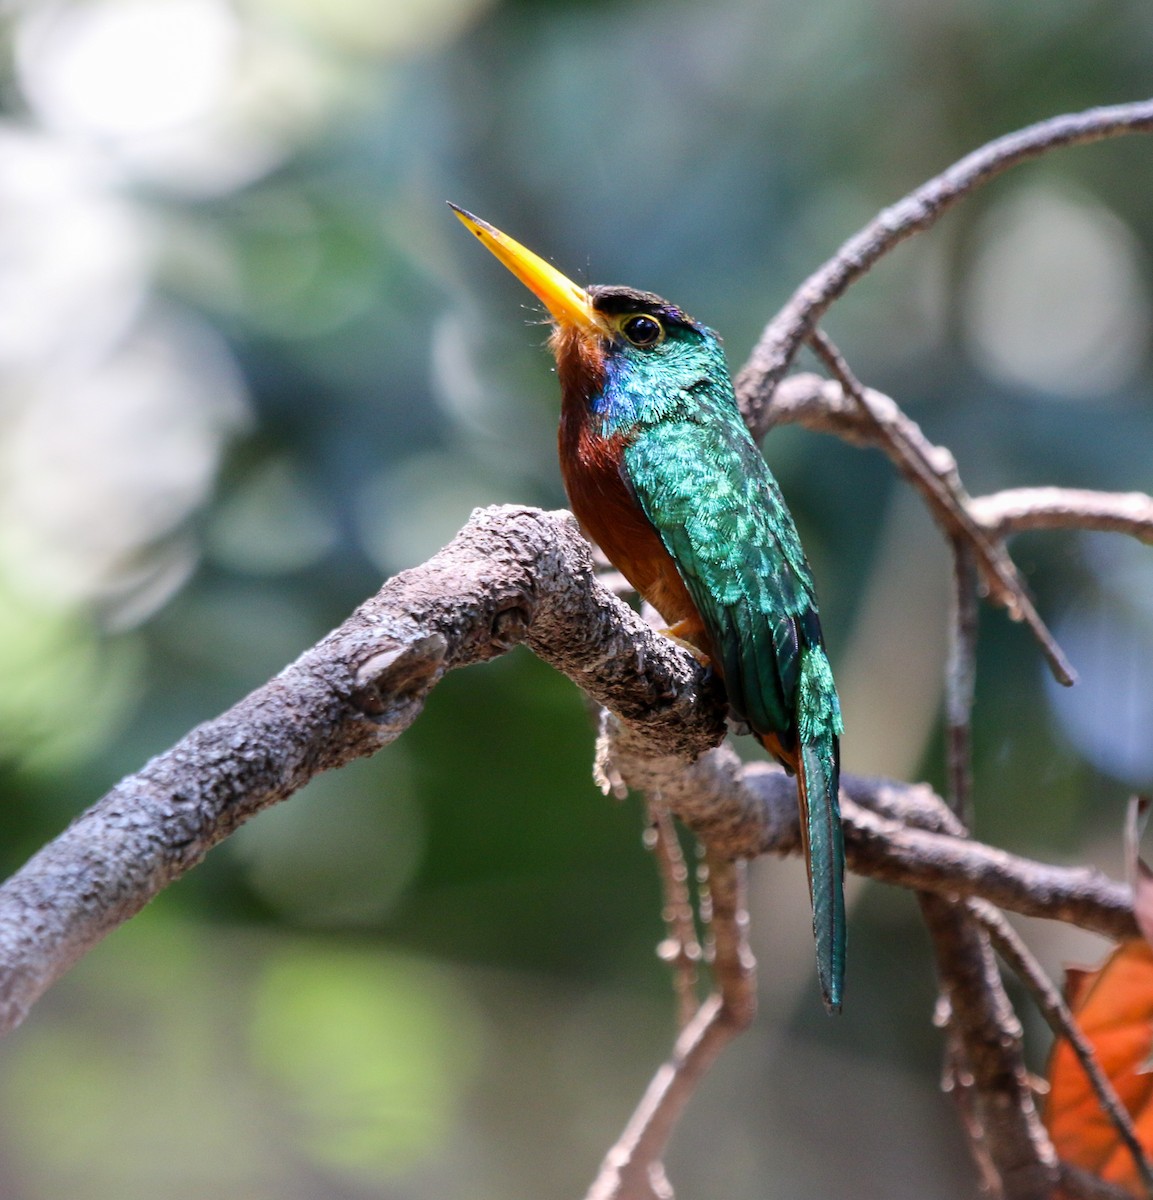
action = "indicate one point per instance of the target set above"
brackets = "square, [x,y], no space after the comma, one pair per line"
[1114,1007]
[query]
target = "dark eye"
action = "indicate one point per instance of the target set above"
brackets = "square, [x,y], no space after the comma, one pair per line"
[643,330]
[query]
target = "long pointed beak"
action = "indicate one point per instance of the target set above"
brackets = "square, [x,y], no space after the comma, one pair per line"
[568,303]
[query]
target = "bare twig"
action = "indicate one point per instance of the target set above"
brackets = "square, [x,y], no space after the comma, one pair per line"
[916,212]
[932,470]
[1019,509]
[1008,1129]
[1061,1021]
[734,968]
[960,680]
[1080,1185]
[632,1168]
[957,1083]
[822,405]
[681,949]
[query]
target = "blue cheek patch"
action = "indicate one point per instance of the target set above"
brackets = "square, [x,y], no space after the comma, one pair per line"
[616,405]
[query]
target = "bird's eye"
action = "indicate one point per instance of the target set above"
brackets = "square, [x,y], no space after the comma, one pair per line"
[642,330]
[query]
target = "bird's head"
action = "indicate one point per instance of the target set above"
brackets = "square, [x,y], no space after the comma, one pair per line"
[624,354]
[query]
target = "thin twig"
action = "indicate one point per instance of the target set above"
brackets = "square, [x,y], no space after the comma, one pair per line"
[934,474]
[1016,510]
[632,1168]
[734,968]
[916,212]
[681,948]
[1061,1021]
[1137,813]
[822,406]
[958,1084]
[1077,1184]
[960,681]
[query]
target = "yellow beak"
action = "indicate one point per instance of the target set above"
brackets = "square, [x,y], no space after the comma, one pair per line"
[568,303]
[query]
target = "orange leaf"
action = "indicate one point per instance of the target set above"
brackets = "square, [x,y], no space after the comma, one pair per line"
[1114,1007]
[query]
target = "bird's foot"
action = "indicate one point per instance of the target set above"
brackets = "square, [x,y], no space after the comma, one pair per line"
[677,633]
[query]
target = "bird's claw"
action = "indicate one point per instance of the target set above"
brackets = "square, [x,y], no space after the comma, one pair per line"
[676,633]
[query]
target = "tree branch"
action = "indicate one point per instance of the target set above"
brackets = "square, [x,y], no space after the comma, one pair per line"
[933,472]
[512,574]
[822,406]
[1077,1184]
[632,1169]
[681,948]
[961,681]
[917,211]
[897,833]
[1008,1131]
[1017,510]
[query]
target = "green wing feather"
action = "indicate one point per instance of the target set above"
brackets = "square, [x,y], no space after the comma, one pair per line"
[704,486]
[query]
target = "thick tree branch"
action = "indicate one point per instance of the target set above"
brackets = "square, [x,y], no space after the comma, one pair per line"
[512,574]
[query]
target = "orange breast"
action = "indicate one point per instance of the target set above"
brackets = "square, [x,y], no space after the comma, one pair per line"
[603,504]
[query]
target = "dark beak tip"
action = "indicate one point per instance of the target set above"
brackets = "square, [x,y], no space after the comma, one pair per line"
[471,218]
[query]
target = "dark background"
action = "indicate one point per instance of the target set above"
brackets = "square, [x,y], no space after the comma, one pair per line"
[250,365]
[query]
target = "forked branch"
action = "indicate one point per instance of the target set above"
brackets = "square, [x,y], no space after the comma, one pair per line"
[933,472]
[918,211]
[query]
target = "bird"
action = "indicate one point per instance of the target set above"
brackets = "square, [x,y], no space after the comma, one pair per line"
[663,474]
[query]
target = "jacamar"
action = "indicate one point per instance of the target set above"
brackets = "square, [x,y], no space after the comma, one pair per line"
[663,474]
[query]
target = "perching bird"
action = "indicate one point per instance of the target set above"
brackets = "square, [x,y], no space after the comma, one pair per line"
[663,474]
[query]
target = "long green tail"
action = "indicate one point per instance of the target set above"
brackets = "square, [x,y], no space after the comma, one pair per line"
[818,781]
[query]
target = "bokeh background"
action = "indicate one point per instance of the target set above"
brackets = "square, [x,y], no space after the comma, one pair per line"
[250,365]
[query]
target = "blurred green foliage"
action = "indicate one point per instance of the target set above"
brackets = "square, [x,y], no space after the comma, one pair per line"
[249,366]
